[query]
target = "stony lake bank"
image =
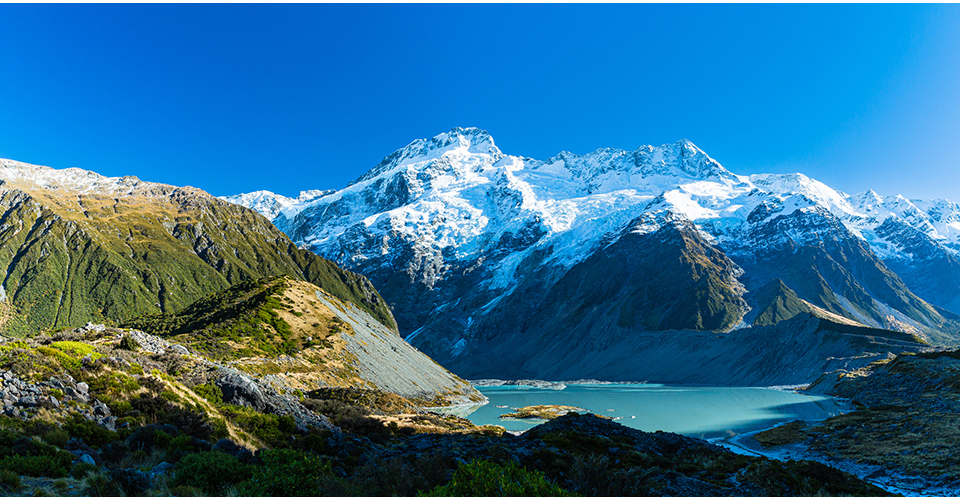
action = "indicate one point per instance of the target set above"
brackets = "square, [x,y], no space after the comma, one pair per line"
[901,434]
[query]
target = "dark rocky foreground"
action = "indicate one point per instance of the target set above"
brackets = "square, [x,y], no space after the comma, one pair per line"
[903,433]
[579,454]
[104,411]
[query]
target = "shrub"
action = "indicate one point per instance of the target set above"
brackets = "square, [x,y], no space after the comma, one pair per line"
[131,482]
[489,479]
[210,471]
[129,343]
[351,418]
[10,479]
[101,485]
[81,470]
[170,396]
[156,409]
[152,436]
[400,476]
[77,349]
[57,437]
[114,452]
[272,429]
[592,475]
[89,431]
[38,466]
[219,428]
[210,392]
[287,472]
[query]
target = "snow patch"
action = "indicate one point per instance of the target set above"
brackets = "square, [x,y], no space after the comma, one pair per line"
[458,348]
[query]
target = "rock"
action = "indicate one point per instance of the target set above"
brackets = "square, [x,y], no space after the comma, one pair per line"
[87,459]
[27,401]
[73,393]
[161,468]
[101,410]
[83,388]
[110,423]
[241,390]
[179,349]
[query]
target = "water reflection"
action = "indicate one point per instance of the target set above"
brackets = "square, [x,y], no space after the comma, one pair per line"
[704,412]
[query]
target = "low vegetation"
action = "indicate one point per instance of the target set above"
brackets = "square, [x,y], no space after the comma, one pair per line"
[542,412]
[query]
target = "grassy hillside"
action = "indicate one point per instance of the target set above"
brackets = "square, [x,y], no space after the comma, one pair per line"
[68,258]
[297,333]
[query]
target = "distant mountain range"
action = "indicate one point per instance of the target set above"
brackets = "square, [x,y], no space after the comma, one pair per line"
[489,261]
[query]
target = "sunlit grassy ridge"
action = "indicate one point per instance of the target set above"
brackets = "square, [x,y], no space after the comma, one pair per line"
[69,258]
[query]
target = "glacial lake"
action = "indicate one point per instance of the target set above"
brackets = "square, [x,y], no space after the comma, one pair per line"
[704,412]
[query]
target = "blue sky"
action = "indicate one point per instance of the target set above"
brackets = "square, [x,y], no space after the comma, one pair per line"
[235,98]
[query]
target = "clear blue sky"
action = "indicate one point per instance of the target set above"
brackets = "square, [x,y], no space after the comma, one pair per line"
[235,98]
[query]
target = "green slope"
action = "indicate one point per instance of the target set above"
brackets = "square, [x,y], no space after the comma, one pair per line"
[67,258]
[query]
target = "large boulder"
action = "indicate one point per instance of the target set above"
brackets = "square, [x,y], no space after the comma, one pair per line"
[239,389]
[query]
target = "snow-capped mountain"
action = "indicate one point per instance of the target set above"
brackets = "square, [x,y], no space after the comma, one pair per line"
[474,248]
[271,204]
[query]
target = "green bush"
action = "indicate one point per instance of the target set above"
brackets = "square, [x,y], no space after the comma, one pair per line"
[489,479]
[210,392]
[57,437]
[101,485]
[38,466]
[81,470]
[209,471]
[10,479]
[89,431]
[273,429]
[219,428]
[129,343]
[287,472]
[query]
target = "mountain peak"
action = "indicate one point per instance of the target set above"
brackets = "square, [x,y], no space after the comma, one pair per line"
[682,158]
[473,139]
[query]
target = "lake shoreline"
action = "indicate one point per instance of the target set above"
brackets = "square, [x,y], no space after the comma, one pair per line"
[559,384]
[704,412]
[876,475]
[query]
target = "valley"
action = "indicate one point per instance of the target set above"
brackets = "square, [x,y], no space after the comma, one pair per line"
[152,333]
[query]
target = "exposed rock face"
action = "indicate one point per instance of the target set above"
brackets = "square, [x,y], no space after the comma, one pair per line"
[387,362]
[239,389]
[242,390]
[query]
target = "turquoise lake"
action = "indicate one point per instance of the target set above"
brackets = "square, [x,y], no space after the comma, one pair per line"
[704,412]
